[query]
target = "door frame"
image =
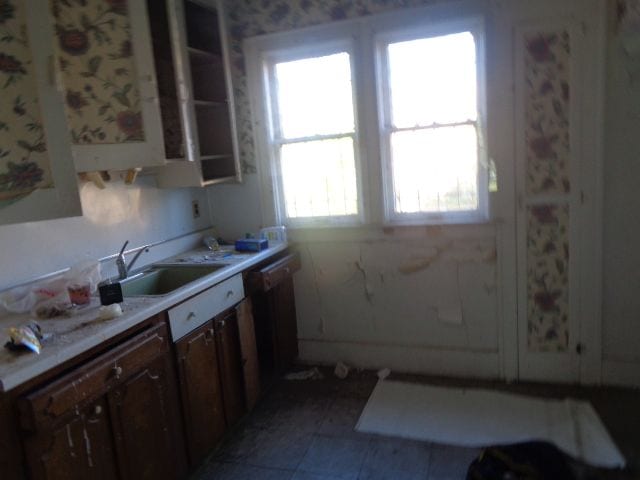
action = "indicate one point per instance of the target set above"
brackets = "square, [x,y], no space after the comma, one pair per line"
[587,288]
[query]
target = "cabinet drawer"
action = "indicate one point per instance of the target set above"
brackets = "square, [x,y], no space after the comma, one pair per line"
[197,310]
[268,277]
[93,379]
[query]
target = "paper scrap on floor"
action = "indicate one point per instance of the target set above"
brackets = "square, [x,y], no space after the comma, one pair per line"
[478,418]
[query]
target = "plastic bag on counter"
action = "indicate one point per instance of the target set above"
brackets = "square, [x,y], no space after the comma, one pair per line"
[82,281]
[54,297]
[25,298]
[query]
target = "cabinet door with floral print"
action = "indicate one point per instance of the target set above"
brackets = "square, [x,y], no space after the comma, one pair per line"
[37,175]
[106,74]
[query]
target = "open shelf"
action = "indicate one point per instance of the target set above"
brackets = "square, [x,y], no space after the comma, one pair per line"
[165,71]
[203,31]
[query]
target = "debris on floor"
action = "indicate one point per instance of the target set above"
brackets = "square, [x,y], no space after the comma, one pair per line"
[311,374]
[342,370]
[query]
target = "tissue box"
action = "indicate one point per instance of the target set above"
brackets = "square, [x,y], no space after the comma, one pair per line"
[252,244]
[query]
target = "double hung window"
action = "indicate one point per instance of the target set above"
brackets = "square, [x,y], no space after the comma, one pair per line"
[405,107]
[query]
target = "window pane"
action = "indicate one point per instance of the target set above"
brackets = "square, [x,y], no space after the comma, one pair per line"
[433,80]
[315,96]
[319,178]
[435,170]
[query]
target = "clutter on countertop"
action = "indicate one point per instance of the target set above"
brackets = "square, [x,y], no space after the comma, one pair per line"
[54,297]
[107,312]
[274,234]
[25,337]
[252,244]
[110,293]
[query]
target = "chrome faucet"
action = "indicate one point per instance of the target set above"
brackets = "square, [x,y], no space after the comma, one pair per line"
[123,269]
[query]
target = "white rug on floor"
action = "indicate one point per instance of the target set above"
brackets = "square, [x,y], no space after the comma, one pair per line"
[478,418]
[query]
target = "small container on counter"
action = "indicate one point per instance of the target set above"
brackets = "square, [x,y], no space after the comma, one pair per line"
[79,294]
[252,244]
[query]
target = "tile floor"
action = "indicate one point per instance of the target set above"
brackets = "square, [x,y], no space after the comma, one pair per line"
[304,430]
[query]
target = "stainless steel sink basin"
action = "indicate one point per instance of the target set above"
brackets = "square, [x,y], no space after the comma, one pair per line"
[164,280]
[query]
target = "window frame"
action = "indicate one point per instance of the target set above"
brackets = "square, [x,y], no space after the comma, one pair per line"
[360,38]
[420,30]
[324,45]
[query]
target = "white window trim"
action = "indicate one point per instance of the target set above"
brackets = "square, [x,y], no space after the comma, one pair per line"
[263,53]
[361,34]
[417,30]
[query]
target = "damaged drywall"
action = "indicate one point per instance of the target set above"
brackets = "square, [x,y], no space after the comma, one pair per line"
[434,294]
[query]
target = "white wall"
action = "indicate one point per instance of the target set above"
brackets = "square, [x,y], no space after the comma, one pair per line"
[140,213]
[417,299]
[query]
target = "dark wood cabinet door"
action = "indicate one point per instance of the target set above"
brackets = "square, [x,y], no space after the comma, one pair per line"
[249,352]
[229,360]
[145,417]
[200,388]
[282,307]
[78,447]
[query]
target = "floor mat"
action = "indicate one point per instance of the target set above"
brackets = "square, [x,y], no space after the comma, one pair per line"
[477,418]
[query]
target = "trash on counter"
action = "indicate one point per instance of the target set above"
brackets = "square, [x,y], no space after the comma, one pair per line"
[107,312]
[79,294]
[311,374]
[274,234]
[54,293]
[211,243]
[26,337]
[252,244]
[53,309]
[342,370]
[110,293]
[383,373]
[82,281]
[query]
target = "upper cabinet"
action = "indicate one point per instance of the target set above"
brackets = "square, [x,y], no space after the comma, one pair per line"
[106,74]
[194,82]
[37,176]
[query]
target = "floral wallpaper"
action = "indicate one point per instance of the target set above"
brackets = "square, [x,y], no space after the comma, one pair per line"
[24,162]
[548,277]
[547,70]
[247,18]
[93,41]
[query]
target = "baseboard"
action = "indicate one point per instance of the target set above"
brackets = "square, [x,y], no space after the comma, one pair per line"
[621,373]
[425,360]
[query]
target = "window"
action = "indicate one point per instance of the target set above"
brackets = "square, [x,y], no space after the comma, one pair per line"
[428,91]
[313,137]
[417,92]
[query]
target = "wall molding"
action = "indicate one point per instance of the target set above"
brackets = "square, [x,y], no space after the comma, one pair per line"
[408,359]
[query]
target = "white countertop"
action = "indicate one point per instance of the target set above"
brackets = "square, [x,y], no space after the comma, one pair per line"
[83,331]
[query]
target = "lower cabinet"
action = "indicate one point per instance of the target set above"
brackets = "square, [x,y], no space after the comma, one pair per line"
[79,446]
[201,391]
[270,286]
[217,369]
[115,417]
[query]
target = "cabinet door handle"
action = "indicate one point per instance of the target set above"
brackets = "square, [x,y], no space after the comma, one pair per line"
[229,293]
[221,324]
[97,410]
[117,371]
[191,316]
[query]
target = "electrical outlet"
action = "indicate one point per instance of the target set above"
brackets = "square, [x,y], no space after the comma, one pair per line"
[195,208]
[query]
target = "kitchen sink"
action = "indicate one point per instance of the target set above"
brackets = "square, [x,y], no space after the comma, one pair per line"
[164,280]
